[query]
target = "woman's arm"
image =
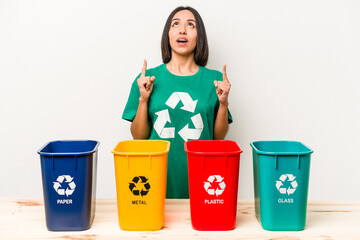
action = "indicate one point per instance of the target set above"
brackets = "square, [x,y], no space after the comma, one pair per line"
[140,128]
[221,124]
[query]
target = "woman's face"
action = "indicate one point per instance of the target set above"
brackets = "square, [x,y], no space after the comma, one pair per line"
[183,33]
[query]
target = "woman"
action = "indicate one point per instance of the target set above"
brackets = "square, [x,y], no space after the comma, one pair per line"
[180,100]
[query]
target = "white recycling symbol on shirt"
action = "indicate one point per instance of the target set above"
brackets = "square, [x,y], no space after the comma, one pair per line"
[290,178]
[164,117]
[71,185]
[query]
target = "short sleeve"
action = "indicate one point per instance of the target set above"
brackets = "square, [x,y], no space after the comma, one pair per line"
[132,102]
[230,119]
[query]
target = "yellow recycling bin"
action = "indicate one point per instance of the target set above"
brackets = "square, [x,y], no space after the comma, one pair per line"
[140,171]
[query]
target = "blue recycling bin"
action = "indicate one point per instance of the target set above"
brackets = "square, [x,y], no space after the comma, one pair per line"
[69,183]
[281,181]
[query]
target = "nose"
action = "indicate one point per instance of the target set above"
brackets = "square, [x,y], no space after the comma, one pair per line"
[183,29]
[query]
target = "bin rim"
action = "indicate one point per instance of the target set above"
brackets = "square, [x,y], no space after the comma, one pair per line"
[142,153]
[280,153]
[68,153]
[213,153]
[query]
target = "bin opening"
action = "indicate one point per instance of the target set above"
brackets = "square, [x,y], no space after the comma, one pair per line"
[69,147]
[280,147]
[212,147]
[142,147]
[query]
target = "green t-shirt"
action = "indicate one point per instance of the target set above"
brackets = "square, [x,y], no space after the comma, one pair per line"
[180,108]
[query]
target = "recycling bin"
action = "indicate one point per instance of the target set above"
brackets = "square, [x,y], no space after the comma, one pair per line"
[69,183]
[213,167]
[140,172]
[281,180]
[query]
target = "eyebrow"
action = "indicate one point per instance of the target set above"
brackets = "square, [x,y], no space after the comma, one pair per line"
[190,19]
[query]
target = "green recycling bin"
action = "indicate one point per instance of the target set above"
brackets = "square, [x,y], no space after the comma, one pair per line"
[281,180]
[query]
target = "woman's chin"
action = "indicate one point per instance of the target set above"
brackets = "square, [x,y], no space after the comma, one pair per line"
[184,52]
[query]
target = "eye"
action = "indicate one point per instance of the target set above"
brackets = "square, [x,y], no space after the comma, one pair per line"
[191,25]
[175,24]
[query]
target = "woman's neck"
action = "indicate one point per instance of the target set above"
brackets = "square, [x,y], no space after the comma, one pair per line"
[182,65]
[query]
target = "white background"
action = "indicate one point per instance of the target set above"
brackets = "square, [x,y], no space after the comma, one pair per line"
[66,68]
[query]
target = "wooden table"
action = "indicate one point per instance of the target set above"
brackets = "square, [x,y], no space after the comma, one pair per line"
[25,219]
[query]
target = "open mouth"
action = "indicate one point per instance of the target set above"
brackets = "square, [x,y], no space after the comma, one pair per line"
[182,41]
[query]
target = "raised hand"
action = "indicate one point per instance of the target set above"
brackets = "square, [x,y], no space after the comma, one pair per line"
[145,83]
[223,88]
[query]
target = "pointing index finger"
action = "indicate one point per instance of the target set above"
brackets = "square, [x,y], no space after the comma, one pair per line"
[143,71]
[225,79]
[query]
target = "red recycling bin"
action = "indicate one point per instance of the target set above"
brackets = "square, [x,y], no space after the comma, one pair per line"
[213,167]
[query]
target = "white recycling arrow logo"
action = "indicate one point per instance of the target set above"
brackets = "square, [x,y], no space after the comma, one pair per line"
[71,185]
[286,178]
[188,133]
[212,191]
[164,117]
[159,125]
[184,97]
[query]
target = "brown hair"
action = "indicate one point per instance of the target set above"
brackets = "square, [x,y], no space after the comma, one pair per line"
[201,52]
